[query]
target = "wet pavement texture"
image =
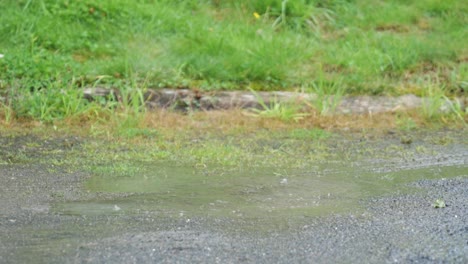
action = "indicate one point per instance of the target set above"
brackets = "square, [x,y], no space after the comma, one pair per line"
[397,227]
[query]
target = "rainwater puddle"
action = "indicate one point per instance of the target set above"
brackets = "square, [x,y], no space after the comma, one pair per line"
[255,193]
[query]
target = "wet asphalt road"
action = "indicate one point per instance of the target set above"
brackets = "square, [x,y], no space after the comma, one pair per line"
[396,228]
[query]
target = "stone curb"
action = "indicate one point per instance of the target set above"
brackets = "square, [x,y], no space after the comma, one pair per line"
[184,99]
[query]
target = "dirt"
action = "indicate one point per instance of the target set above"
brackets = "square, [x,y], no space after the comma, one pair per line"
[38,178]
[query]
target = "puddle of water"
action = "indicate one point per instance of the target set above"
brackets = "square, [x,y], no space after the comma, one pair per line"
[261,193]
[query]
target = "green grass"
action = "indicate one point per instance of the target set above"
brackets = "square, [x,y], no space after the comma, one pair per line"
[283,111]
[220,44]
[365,47]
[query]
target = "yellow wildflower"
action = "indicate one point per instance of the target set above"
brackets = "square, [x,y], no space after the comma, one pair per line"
[256,15]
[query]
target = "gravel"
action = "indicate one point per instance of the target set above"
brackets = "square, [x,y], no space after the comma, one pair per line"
[396,228]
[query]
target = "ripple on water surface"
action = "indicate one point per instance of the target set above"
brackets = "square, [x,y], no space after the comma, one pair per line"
[261,193]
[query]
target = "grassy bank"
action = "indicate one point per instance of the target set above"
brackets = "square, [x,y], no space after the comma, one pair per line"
[327,47]
[366,46]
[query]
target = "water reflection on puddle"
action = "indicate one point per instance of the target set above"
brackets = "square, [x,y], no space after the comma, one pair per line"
[257,192]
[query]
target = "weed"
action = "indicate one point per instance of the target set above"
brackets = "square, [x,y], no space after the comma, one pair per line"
[437,105]
[327,93]
[121,169]
[7,111]
[275,109]
[406,123]
[50,103]
[439,203]
[432,107]
[311,134]
[455,108]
